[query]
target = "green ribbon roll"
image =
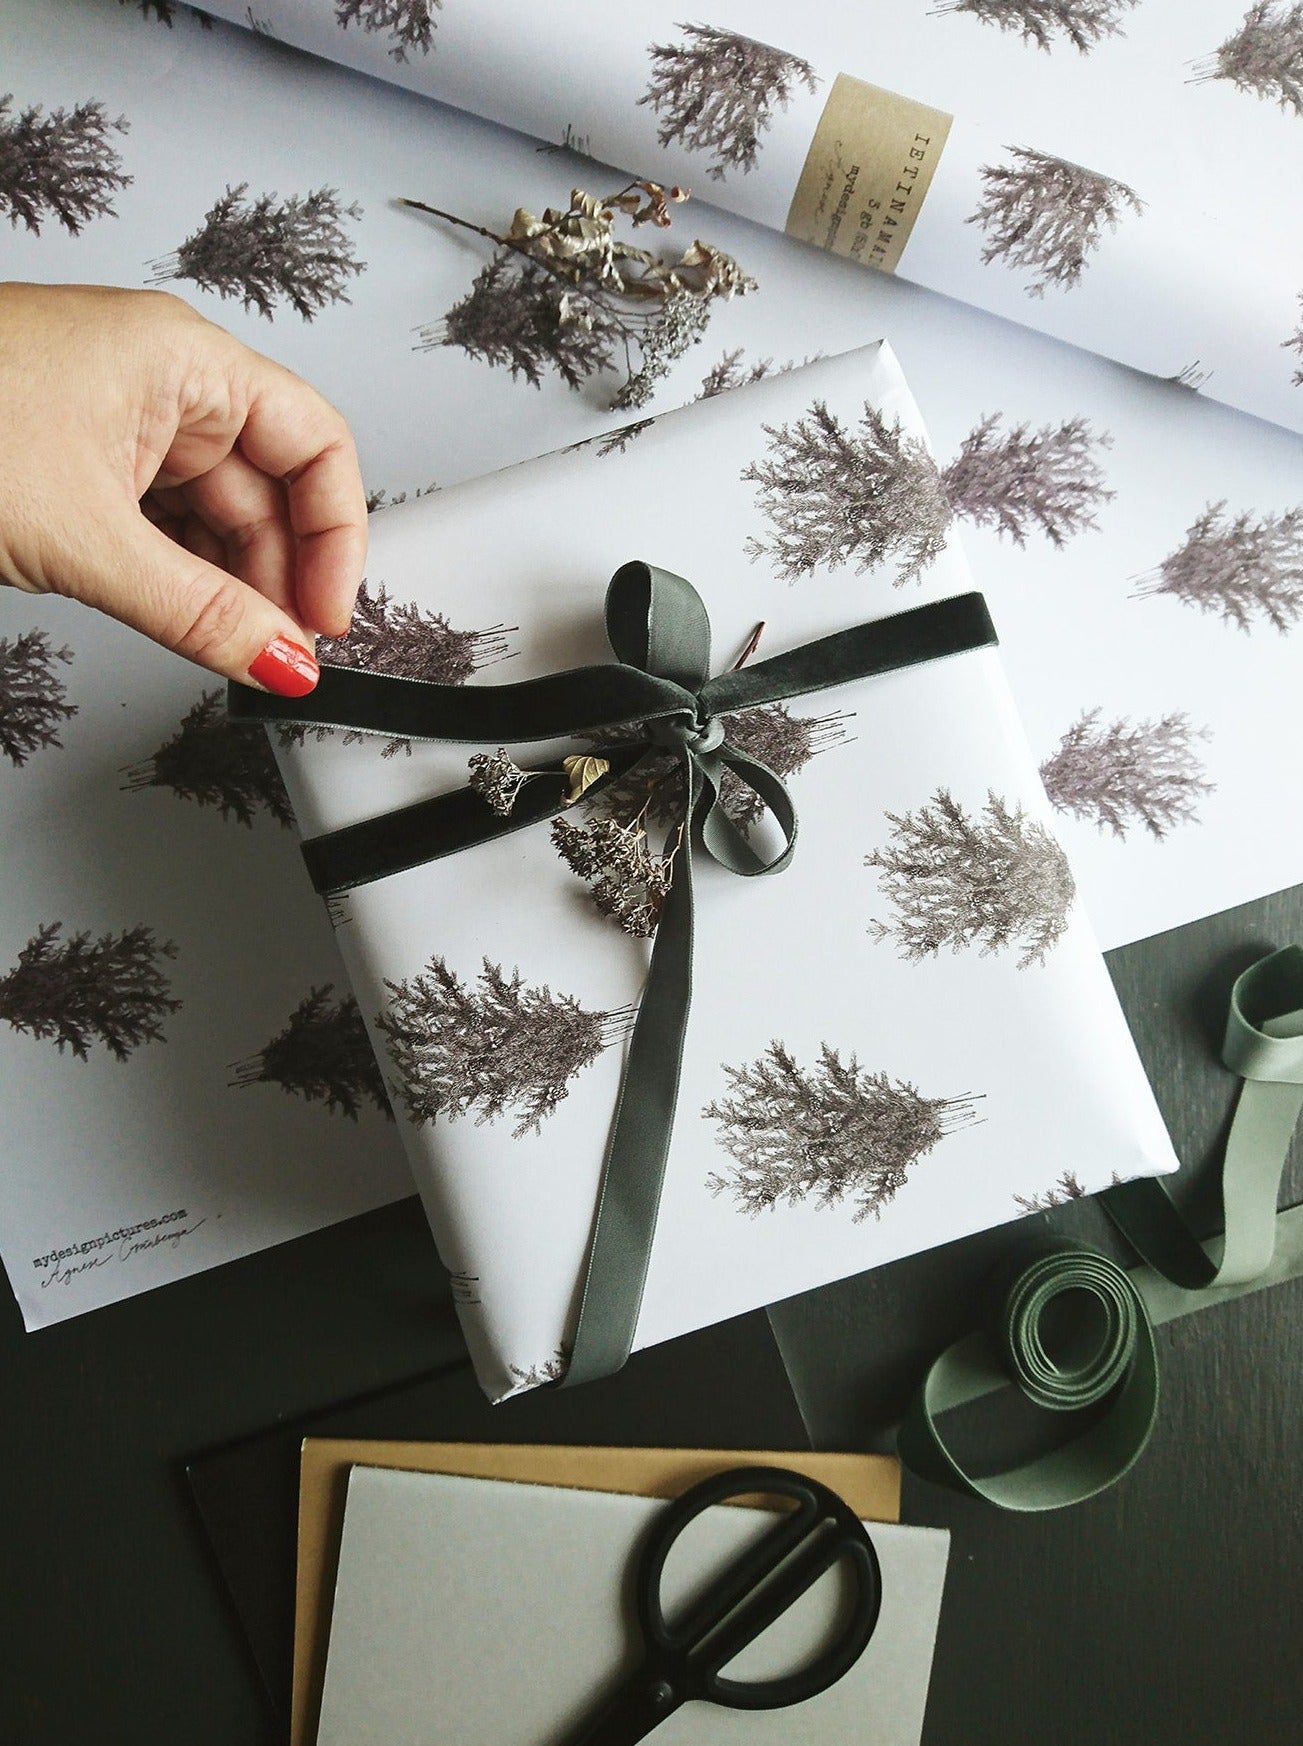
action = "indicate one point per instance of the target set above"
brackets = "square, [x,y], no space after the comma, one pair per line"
[1102,1349]
[657,696]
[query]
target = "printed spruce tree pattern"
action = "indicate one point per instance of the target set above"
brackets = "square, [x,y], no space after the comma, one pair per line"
[217,762]
[59,166]
[1045,215]
[771,733]
[323,1055]
[411,642]
[1083,23]
[1295,344]
[997,881]
[717,92]
[165,11]
[731,372]
[831,1134]
[380,498]
[1021,480]
[549,1370]
[411,23]
[1264,56]
[268,252]
[1128,773]
[1068,1187]
[78,991]
[1241,568]
[493,1047]
[563,292]
[33,701]
[403,639]
[834,496]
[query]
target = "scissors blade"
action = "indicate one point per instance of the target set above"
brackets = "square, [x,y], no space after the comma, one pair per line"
[638,1707]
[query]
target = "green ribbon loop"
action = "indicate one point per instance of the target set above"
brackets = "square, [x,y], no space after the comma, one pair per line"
[1264,1045]
[1105,1344]
[1101,1349]
[659,630]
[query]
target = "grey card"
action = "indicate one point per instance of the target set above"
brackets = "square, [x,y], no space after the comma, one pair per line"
[489,1613]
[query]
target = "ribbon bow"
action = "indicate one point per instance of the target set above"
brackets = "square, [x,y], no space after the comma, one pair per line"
[660,689]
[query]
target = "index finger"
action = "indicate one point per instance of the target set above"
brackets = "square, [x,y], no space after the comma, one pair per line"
[292,433]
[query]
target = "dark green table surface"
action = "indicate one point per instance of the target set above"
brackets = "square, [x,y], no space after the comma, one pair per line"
[1168,1609]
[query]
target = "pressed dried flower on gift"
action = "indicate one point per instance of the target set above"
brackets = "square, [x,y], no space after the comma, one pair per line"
[563,292]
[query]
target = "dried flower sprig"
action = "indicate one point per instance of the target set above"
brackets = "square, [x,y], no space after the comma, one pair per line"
[500,779]
[564,291]
[629,882]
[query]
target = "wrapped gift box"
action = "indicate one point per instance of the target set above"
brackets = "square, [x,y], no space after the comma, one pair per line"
[906,1036]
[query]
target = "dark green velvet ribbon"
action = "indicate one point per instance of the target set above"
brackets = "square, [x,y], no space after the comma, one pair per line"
[658,689]
[1072,1329]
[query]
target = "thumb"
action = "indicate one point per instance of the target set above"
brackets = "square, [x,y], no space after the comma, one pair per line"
[200,611]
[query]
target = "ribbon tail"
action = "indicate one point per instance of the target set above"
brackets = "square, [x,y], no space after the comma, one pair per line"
[1267,1048]
[634,1169]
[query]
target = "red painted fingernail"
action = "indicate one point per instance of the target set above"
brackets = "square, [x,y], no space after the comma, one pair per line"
[286,668]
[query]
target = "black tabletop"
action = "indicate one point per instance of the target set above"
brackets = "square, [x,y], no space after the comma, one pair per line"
[1169,1608]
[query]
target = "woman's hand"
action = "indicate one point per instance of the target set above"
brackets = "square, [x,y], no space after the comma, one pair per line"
[154,467]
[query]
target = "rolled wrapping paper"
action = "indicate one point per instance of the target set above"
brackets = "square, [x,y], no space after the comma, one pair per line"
[1119,257]
[1105,1346]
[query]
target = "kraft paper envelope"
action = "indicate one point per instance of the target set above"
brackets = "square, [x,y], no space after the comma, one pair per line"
[869,1483]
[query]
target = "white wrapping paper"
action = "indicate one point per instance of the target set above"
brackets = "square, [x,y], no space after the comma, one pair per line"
[1014,1041]
[1179,250]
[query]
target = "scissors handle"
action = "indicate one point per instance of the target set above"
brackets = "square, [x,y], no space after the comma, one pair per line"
[683,1658]
[753,1590]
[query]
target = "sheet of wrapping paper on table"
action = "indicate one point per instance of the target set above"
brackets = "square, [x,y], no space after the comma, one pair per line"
[1021,1053]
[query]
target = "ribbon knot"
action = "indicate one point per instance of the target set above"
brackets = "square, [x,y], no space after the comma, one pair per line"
[696,738]
[658,694]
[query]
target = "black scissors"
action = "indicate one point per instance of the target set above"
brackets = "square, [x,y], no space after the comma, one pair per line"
[683,1660]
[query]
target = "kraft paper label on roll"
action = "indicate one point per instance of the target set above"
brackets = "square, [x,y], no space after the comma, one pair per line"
[867,173]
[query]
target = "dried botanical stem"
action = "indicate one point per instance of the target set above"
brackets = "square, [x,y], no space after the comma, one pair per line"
[562,291]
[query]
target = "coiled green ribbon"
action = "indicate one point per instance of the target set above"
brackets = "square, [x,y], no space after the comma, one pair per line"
[659,690]
[1099,1347]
